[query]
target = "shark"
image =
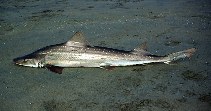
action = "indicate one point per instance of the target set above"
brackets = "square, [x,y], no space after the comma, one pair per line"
[77,52]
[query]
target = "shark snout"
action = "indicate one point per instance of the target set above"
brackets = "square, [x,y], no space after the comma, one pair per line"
[26,61]
[15,60]
[18,60]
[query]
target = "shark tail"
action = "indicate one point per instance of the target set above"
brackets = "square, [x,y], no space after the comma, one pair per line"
[180,55]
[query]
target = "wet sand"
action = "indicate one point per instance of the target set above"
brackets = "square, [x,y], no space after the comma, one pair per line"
[166,26]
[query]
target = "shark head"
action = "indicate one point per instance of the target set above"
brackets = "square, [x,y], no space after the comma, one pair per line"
[30,60]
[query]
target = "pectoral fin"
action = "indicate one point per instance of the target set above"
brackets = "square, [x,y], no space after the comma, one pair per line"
[55,69]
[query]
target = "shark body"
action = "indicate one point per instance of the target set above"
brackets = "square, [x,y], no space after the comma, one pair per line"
[77,53]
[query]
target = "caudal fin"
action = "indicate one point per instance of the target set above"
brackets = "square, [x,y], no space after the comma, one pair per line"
[181,54]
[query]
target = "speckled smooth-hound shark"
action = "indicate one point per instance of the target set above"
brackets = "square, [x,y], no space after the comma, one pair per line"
[78,53]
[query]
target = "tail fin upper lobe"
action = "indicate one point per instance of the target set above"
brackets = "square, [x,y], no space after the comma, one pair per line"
[181,54]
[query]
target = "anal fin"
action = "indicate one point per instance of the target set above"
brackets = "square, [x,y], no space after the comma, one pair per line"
[107,66]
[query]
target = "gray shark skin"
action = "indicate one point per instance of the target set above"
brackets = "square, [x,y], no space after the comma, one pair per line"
[77,53]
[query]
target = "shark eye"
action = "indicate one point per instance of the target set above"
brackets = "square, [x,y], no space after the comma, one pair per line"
[26,60]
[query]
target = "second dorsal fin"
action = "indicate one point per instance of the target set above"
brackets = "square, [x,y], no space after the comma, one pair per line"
[141,50]
[142,47]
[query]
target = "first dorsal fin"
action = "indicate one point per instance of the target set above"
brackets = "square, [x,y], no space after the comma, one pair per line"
[141,50]
[77,40]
